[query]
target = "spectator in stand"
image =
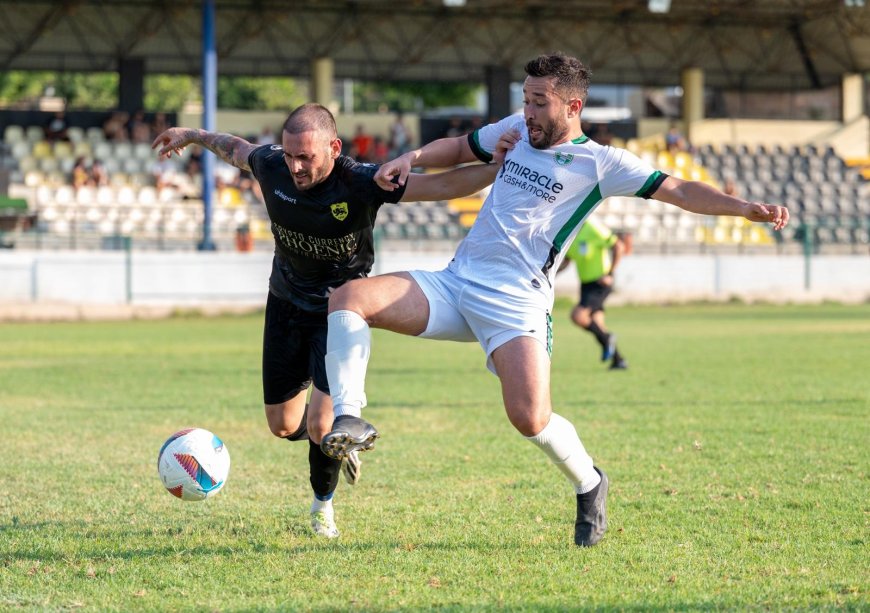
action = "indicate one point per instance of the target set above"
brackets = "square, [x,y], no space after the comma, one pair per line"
[380,151]
[56,128]
[138,129]
[454,128]
[675,141]
[164,172]
[99,175]
[81,176]
[193,165]
[400,139]
[267,136]
[363,142]
[115,127]
[250,187]
[602,134]
[159,125]
[730,187]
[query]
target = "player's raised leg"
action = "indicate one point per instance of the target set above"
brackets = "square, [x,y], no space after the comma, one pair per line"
[523,367]
[393,302]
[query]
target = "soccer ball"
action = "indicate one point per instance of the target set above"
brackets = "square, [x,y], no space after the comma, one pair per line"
[193,464]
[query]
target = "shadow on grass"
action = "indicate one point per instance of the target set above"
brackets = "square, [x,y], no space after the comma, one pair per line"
[114,550]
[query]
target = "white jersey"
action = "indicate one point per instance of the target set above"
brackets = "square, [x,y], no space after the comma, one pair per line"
[537,204]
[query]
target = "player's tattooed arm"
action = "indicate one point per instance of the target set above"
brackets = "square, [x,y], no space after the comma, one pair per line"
[231,149]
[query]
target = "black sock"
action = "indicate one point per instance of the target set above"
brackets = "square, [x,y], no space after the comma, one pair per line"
[600,334]
[324,470]
[589,497]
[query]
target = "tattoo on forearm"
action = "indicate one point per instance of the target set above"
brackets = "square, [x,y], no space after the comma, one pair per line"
[231,149]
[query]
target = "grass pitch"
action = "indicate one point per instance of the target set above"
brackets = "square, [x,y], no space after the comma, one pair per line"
[737,446]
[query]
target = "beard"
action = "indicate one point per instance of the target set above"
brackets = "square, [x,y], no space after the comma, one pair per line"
[549,135]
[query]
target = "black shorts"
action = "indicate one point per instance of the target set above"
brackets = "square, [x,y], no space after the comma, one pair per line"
[593,295]
[294,349]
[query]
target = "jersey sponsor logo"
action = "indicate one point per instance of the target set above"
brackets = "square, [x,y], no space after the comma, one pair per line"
[285,197]
[315,247]
[563,159]
[532,181]
[275,148]
[339,210]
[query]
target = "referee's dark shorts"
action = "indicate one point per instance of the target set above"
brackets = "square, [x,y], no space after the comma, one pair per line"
[593,295]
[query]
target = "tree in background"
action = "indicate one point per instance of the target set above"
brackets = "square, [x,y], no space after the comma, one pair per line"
[371,97]
[99,91]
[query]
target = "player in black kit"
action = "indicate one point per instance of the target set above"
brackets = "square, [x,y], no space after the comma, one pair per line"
[323,207]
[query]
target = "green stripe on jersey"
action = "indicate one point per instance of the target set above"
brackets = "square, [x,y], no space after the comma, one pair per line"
[582,211]
[482,154]
[649,182]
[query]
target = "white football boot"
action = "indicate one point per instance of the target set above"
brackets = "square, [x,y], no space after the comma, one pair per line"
[323,523]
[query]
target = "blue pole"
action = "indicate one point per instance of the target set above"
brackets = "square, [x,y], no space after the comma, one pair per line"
[209,113]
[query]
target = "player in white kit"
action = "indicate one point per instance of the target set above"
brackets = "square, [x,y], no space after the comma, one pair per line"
[498,289]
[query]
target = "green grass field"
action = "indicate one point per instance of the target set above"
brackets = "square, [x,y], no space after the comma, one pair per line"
[737,446]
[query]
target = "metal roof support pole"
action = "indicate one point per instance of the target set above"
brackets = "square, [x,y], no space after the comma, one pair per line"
[498,92]
[209,113]
[693,99]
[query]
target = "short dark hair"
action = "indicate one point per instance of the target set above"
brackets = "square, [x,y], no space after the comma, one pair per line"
[311,117]
[572,77]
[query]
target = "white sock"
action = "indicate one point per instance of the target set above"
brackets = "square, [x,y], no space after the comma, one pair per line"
[348,345]
[322,505]
[560,442]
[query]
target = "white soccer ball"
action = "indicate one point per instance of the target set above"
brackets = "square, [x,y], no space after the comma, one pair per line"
[193,464]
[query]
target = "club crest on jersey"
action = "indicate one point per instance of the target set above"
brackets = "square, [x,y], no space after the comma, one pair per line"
[563,159]
[339,210]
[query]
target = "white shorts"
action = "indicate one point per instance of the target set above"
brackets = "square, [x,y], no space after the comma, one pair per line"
[460,310]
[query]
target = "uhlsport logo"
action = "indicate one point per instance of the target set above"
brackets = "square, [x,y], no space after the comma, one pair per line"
[563,159]
[339,210]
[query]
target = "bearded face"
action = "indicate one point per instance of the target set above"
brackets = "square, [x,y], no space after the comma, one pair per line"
[546,113]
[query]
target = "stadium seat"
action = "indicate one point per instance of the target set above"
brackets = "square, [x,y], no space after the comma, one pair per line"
[82,149]
[122,150]
[33,178]
[143,151]
[95,135]
[75,134]
[107,227]
[130,165]
[26,164]
[86,196]
[21,149]
[43,196]
[63,149]
[147,196]
[102,151]
[34,133]
[13,134]
[41,149]
[48,164]
[65,196]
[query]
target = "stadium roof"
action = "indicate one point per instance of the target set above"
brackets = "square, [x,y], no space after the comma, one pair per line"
[741,44]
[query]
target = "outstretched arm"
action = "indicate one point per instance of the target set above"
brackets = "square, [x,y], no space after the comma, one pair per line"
[450,184]
[231,149]
[442,153]
[698,197]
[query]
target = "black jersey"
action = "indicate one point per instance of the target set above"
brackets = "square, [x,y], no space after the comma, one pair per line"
[323,235]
